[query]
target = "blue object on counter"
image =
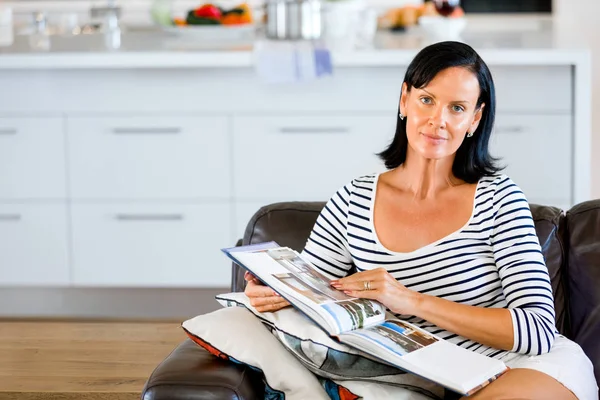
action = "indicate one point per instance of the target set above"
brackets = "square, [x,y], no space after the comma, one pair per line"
[323,62]
[291,61]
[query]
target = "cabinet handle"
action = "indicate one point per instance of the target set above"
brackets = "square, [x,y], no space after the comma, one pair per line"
[332,129]
[149,217]
[10,217]
[149,131]
[8,131]
[510,129]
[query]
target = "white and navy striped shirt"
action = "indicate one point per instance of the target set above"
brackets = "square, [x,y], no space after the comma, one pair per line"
[495,260]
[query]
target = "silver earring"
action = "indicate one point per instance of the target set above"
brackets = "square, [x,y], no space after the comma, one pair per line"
[470,134]
[401,116]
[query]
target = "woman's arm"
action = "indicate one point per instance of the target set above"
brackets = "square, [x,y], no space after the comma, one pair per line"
[522,270]
[489,326]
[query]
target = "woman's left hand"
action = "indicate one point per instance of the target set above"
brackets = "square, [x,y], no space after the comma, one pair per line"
[378,284]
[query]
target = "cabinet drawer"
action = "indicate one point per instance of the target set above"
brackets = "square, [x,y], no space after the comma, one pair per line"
[537,153]
[33,245]
[158,245]
[306,157]
[149,157]
[32,158]
[533,89]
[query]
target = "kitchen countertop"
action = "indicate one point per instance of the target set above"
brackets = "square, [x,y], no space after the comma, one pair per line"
[146,47]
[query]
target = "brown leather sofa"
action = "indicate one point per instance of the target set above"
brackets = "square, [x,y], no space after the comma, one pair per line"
[571,246]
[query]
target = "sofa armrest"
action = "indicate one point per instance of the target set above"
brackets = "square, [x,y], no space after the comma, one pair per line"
[191,373]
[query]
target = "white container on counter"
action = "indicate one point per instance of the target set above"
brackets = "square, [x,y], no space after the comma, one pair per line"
[348,24]
[6,26]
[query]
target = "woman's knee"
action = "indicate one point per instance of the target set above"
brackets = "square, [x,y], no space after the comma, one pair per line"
[522,384]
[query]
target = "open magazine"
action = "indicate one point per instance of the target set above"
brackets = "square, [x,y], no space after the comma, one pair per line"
[364,324]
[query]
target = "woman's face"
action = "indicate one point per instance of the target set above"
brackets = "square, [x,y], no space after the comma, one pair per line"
[439,115]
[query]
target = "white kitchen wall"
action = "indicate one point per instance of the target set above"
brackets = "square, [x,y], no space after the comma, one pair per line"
[577,21]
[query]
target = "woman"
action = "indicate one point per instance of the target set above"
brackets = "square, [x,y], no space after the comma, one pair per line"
[444,241]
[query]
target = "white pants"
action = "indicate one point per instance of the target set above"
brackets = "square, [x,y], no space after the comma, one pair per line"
[566,362]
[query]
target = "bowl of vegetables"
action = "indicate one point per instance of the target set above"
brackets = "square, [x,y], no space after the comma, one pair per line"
[212,21]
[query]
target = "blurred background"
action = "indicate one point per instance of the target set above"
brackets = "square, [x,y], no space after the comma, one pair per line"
[138,137]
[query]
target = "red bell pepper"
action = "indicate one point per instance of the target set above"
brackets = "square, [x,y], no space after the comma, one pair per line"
[208,11]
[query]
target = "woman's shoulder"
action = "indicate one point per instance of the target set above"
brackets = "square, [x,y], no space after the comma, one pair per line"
[359,189]
[502,189]
[364,181]
[359,184]
[499,182]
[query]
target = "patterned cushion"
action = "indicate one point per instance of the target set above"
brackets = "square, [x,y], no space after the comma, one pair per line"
[236,335]
[332,360]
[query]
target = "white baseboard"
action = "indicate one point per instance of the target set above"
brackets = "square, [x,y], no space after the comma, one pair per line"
[119,303]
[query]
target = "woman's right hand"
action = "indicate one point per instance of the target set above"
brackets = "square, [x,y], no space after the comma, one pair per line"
[262,297]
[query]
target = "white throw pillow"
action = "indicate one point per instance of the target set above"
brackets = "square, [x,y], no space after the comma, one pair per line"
[240,335]
[360,373]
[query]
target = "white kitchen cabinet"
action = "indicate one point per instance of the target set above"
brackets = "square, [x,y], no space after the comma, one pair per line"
[306,157]
[32,158]
[142,245]
[149,157]
[143,180]
[33,245]
[537,151]
[533,89]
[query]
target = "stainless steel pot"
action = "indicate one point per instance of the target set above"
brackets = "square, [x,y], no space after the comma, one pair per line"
[293,19]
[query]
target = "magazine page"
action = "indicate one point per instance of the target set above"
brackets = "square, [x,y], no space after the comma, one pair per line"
[350,313]
[298,281]
[417,351]
[396,336]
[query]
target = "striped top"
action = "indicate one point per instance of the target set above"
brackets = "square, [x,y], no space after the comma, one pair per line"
[495,260]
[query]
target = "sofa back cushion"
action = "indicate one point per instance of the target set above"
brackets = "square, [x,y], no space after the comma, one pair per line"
[287,223]
[549,226]
[583,277]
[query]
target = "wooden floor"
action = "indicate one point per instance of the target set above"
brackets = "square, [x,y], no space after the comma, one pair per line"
[81,360]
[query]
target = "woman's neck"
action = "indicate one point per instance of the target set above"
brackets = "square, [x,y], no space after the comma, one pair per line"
[424,178]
